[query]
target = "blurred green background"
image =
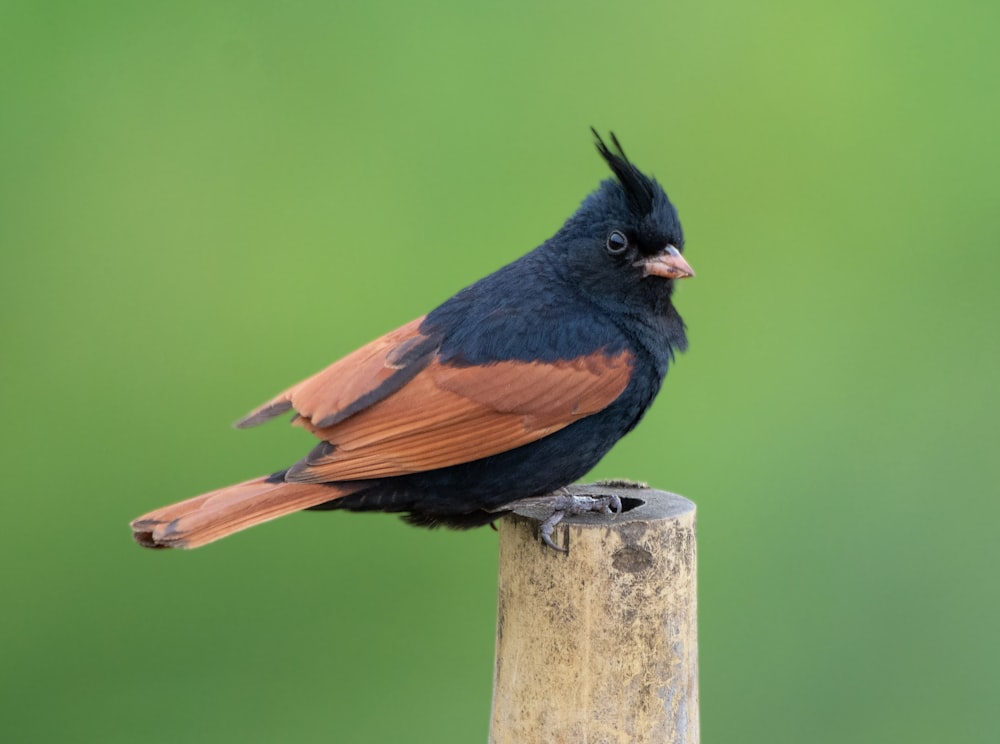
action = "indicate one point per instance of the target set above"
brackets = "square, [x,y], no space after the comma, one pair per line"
[201,203]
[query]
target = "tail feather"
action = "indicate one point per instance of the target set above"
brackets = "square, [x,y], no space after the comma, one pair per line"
[216,514]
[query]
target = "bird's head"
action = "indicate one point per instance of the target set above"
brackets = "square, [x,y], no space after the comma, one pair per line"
[625,240]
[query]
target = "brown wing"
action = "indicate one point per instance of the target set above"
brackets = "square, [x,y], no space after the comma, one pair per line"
[354,382]
[393,408]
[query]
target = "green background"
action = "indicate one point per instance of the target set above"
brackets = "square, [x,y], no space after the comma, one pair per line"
[201,203]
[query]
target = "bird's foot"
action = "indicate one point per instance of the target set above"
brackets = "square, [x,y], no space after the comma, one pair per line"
[564,504]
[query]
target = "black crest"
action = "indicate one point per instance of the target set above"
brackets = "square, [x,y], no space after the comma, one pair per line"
[638,188]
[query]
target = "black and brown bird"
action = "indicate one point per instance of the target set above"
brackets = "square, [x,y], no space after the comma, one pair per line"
[513,388]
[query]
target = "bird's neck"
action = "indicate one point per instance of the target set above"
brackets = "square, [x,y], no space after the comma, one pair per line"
[652,324]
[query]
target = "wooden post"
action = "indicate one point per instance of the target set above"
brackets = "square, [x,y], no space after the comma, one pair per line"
[600,644]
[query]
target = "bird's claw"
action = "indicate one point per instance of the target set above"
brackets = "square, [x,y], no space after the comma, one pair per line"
[546,527]
[565,504]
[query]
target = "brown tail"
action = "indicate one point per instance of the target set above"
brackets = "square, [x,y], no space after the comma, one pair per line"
[216,514]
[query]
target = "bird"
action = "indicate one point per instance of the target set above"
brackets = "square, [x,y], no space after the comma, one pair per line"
[509,391]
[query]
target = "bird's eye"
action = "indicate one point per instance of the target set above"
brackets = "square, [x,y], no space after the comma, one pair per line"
[617,243]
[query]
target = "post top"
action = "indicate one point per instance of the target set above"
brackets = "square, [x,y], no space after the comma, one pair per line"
[639,503]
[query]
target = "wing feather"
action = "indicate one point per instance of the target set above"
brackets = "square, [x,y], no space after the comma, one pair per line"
[392,407]
[450,415]
[354,382]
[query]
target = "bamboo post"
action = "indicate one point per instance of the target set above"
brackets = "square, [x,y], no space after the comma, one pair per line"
[599,644]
